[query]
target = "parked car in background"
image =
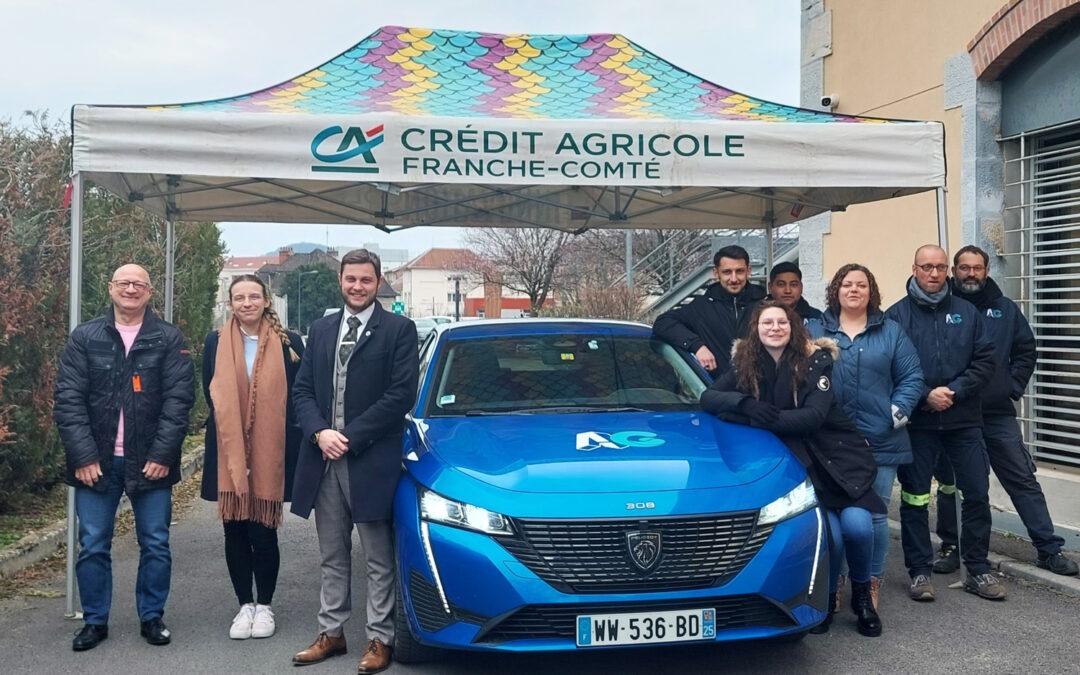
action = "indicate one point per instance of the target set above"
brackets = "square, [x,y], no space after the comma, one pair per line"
[564,491]
[424,326]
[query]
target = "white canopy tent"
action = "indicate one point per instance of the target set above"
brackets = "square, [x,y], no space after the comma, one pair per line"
[414,127]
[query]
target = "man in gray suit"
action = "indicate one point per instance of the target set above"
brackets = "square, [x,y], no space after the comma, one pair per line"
[357,381]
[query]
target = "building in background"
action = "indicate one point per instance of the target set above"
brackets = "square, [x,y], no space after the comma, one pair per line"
[1003,76]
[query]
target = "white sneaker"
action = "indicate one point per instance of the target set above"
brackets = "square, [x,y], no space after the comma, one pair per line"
[263,624]
[242,622]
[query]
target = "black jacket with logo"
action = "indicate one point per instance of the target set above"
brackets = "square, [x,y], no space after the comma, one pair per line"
[154,384]
[1014,347]
[715,319]
[954,351]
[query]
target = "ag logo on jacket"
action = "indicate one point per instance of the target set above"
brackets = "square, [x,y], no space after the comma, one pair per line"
[953,318]
[823,383]
[993,313]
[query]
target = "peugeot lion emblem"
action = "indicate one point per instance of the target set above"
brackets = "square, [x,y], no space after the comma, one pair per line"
[644,549]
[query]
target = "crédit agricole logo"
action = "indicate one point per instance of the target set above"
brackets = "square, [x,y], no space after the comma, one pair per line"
[354,143]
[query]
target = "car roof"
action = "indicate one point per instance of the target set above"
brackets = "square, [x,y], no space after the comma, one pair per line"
[528,326]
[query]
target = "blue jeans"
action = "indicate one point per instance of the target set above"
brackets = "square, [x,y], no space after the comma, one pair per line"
[851,531]
[883,486]
[97,515]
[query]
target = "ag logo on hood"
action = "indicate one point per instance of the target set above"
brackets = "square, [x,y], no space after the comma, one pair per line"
[587,441]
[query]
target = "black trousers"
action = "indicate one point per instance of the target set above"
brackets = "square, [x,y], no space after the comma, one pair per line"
[1012,464]
[251,551]
[967,455]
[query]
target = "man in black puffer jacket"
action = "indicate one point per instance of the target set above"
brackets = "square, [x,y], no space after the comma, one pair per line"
[1014,349]
[123,392]
[957,361]
[711,323]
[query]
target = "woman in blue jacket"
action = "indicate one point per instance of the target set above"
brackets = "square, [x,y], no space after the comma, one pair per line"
[878,381]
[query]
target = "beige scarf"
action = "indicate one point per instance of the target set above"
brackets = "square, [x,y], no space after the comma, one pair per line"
[250,422]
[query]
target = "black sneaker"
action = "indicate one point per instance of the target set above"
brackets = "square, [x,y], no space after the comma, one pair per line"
[155,632]
[1058,564]
[89,636]
[948,560]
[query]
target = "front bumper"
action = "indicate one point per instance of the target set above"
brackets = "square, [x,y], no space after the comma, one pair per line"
[466,590]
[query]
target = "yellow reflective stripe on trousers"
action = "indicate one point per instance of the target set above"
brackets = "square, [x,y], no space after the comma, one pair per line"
[946,489]
[914,500]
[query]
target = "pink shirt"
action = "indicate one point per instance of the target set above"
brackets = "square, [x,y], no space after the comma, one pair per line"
[127,334]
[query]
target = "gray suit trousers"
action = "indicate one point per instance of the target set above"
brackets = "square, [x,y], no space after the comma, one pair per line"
[333,522]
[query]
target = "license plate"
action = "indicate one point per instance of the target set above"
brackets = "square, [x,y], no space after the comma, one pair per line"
[683,625]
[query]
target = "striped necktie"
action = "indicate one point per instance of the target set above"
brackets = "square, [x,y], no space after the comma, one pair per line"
[349,341]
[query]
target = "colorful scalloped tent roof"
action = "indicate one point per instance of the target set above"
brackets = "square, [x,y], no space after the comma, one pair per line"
[416,71]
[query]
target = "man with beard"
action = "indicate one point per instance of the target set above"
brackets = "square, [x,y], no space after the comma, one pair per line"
[785,286]
[357,381]
[957,360]
[1014,351]
[709,325]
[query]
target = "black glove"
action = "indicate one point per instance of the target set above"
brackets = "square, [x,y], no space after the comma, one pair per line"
[761,414]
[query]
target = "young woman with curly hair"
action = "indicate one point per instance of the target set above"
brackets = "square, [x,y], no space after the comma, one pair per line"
[780,381]
[878,381]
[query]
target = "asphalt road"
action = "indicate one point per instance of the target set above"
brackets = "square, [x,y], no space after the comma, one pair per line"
[1030,632]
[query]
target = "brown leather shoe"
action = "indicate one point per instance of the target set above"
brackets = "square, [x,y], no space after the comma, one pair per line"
[323,648]
[376,658]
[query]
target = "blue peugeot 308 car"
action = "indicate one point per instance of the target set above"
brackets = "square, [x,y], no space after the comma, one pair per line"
[562,490]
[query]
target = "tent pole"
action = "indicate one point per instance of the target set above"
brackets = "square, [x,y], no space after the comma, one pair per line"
[942,220]
[74,314]
[630,260]
[170,252]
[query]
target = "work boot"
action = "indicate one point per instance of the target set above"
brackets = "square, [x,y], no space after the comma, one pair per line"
[875,586]
[985,586]
[823,627]
[921,590]
[868,621]
[1058,564]
[948,560]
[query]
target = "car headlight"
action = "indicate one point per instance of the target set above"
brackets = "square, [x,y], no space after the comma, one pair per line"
[438,509]
[801,498]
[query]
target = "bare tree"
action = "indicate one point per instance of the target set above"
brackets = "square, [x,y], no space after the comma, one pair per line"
[525,260]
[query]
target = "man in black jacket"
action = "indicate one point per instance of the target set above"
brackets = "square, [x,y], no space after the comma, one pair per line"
[785,286]
[957,360]
[709,325]
[1014,349]
[123,392]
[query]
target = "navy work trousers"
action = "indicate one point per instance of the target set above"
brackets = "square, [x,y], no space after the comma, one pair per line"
[1012,464]
[967,455]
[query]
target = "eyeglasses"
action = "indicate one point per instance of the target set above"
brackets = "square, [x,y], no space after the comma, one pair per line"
[977,269]
[928,268]
[778,323]
[124,284]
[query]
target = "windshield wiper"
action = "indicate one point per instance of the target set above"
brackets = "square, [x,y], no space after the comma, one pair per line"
[580,409]
[481,413]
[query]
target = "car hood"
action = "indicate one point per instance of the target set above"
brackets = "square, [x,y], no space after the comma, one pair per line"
[602,452]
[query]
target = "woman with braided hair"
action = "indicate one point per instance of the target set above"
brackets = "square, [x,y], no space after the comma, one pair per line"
[252,440]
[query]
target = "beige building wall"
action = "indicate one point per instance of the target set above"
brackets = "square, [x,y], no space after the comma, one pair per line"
[888,60]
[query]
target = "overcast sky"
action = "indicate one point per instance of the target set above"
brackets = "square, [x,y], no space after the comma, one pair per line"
[55,53]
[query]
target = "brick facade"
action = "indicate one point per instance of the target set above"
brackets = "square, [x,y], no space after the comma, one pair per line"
[1014,28]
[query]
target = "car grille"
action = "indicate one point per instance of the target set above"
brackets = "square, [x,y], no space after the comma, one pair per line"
[534,622]
[592,556]
[428,607]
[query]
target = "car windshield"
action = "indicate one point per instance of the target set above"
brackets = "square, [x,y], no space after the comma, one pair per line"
[538,374]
